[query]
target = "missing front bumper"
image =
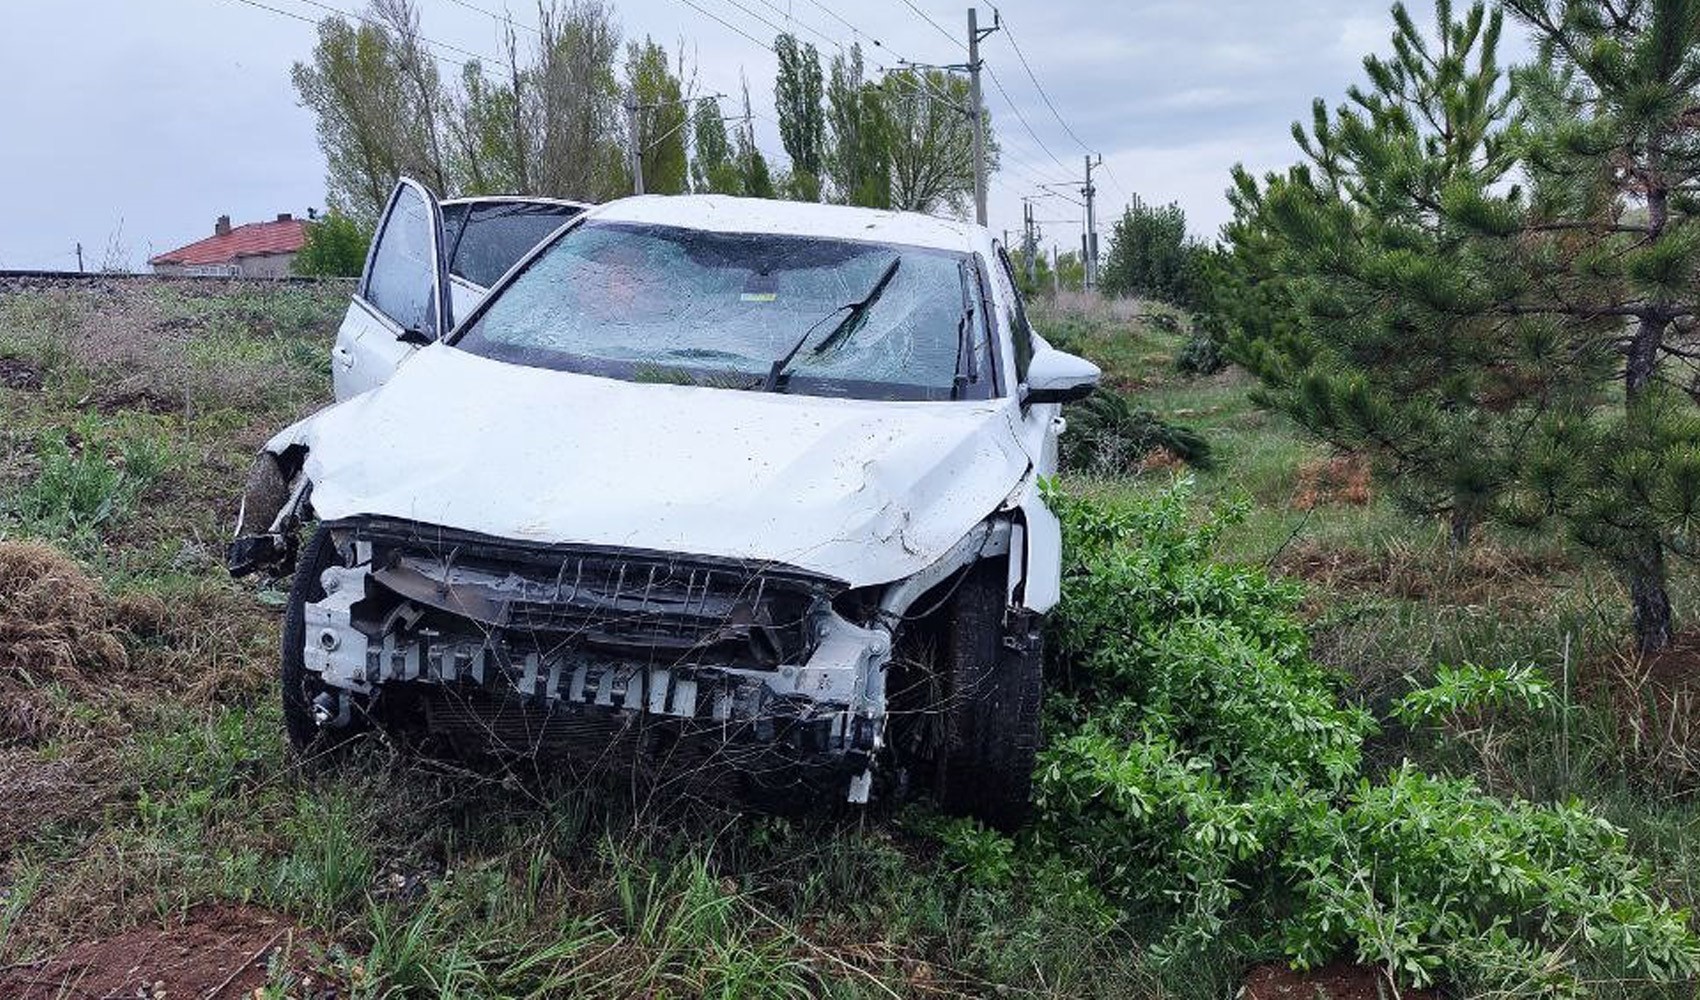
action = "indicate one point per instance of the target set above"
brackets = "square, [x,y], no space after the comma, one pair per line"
[828,709]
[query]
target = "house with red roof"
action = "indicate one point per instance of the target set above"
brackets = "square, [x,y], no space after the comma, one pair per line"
[252,250]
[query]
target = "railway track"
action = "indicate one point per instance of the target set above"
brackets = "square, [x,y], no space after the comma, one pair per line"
[13,276]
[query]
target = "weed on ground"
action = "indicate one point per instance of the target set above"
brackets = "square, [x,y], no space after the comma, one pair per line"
[145,794]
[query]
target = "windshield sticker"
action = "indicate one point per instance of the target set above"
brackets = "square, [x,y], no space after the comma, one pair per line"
[760,288]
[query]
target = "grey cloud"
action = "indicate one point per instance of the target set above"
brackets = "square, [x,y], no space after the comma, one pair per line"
[165,115]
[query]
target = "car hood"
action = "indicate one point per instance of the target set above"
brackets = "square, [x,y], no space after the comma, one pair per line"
[863,491]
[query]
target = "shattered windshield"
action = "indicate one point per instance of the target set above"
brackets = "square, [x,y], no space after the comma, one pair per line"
[657,303]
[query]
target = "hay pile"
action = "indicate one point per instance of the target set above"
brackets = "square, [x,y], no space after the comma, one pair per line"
[56,622]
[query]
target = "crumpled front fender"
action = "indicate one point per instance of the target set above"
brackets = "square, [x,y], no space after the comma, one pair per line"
[274,499]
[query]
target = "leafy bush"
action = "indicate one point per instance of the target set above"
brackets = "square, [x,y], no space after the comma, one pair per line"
[335,247]
[1151,256]
[1107,436]
[1206,771]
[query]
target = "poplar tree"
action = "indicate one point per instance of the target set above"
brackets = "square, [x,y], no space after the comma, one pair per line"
[797,98]
[662,118]
[858,156]
[713,170]
[754,178]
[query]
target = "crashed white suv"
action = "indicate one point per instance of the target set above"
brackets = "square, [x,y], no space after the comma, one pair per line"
[742,484]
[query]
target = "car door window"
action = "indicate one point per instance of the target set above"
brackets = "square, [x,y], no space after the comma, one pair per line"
[1021,332]
[401,281]
[486,238]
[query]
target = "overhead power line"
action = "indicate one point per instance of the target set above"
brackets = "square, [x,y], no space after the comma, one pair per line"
[278,10]
[792,18]
[380,24]
[705,12]
[941,29]
[776,29]
[1043,95]
[366,20]
[1022,118]
[502,18]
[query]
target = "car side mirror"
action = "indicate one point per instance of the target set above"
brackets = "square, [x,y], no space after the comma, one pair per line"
[418,338]
[1055,376]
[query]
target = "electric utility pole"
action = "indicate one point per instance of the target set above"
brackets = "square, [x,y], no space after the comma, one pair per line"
[1089,244]
[1029,243]
[976,106]
[634,149]
[79,257]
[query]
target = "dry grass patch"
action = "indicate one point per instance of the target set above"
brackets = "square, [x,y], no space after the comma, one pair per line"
[1655,702]
[55,620]
[1342,480]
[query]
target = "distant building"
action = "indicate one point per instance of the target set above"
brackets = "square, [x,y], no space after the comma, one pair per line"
[253,250]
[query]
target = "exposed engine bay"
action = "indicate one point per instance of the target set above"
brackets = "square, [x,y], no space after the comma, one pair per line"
[767,655]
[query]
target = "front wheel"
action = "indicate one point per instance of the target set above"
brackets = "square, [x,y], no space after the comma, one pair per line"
[989,674]
[300,685]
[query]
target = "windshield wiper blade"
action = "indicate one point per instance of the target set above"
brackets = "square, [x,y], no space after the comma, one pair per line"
[783,363]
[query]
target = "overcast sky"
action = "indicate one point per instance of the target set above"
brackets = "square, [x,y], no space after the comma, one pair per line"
[131,125]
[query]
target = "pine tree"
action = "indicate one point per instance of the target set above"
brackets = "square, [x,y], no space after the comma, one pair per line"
[1519,351]
[1344,290]
[1606,247]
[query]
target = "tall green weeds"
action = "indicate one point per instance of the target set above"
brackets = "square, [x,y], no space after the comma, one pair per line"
[1208,774]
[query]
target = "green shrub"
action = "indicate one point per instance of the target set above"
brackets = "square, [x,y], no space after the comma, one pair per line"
[1208,774]
[1200,355]
[1107,436]
[335,246]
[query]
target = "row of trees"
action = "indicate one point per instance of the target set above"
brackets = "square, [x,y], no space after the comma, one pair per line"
[553,119]
[1489,279]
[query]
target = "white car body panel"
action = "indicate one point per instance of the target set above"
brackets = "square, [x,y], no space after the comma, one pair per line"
[727,214]
[866,492]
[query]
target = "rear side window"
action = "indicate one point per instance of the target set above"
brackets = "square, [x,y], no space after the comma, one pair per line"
[400,282]
[485,238]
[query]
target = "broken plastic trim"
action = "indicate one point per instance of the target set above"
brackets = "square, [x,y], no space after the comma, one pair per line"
[270,498]
[828,699]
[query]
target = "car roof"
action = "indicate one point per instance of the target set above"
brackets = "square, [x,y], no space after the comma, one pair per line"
[511,199]
[726,214]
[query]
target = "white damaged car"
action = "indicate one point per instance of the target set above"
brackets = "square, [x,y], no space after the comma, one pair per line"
[744,484]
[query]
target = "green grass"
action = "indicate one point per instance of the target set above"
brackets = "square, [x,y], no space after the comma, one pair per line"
[431,879]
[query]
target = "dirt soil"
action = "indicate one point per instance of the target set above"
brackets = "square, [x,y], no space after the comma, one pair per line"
[16,373]
[1339,981]
[218,952]
[1676,668]
[1656,702]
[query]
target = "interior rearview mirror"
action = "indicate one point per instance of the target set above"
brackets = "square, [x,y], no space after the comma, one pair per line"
[1055,376]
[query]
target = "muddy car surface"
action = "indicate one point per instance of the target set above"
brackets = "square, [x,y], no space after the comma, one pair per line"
[746,484]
